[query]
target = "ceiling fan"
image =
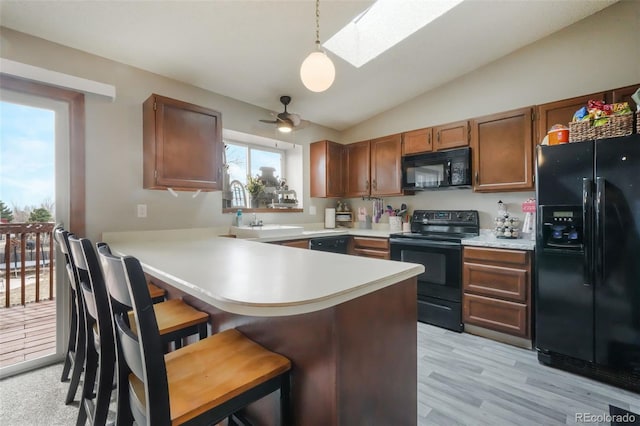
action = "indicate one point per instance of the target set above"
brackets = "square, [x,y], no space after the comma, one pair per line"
[287,121]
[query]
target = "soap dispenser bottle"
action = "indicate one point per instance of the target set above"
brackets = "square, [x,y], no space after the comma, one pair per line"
[239,217]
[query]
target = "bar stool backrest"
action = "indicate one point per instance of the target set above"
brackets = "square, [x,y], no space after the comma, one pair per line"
[95,293]
[114,280]
[143,352]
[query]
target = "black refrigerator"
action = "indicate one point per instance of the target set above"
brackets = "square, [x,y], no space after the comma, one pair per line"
[587,305]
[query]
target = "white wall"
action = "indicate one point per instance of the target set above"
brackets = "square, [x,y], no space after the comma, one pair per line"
[114,141]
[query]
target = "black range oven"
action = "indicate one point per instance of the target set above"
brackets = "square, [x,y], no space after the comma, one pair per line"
[435,242]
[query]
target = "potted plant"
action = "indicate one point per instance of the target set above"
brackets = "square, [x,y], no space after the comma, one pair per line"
[254,187]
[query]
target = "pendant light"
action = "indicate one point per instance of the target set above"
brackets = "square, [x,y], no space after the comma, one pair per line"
[317,71]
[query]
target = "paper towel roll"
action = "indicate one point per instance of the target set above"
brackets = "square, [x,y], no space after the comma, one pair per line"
[329,218]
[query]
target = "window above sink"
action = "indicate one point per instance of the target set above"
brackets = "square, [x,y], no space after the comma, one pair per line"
[277,164]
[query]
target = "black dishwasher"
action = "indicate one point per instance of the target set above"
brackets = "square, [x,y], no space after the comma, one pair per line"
[335,244]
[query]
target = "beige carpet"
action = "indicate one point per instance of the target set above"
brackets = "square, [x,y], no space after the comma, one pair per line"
[37,398]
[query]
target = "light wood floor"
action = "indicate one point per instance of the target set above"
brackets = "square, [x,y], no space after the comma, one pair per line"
[462,380]
[469,380]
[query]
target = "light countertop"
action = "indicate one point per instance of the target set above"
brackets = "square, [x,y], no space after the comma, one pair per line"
[249,278]
[487,239]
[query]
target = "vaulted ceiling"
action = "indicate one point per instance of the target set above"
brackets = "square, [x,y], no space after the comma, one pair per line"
[252,50]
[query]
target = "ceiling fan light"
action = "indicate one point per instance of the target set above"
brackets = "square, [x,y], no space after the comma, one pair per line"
[317,72]
[284,127]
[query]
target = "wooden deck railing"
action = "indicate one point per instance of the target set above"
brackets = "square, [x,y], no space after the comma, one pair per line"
[39,238]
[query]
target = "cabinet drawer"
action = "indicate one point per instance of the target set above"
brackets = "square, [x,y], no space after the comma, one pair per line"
[378,254]
[499,315]
[374,243]
[495,281]
[516,257]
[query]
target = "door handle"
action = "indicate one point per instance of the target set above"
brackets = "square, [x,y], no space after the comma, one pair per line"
[587,223]
[375,185]
[598,237]
[477,178]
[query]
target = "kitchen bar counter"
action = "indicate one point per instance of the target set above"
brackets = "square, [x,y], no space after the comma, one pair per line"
[347,323]
[242,277]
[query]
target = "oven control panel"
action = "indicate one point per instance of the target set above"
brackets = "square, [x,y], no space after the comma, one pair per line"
[446,217]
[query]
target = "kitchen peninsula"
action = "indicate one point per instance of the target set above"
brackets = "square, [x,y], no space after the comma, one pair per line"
[347,323]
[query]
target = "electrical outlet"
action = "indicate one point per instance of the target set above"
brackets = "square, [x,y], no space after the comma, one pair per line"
[142,210]
[312,210]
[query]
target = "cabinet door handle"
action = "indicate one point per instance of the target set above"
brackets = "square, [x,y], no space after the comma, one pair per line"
[375,185]
[366,185]
[438,138]
[477,178]
[429,140]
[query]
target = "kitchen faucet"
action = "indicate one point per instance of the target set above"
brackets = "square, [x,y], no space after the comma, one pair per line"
[255,221]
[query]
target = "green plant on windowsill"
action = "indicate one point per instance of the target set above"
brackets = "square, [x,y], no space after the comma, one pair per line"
[254,186]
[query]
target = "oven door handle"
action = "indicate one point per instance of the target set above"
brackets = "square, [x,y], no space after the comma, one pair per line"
[424,243]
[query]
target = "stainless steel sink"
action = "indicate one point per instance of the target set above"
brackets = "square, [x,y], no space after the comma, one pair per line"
[265,231]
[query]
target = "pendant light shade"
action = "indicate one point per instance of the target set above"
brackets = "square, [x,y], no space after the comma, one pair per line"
[317,71]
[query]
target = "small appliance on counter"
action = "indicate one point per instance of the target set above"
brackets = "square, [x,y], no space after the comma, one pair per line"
[330,218]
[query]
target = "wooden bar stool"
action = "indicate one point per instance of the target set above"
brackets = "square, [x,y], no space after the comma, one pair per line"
[76,348]
[231,370]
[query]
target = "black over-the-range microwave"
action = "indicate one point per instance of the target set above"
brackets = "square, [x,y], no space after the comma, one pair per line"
[437,170]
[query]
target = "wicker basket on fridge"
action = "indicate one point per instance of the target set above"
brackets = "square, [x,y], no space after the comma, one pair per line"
[616,125]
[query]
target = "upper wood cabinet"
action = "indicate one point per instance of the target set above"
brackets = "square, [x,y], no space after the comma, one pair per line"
[358,171]
[502,150]
[327,169]
[386,167]
[182,145]
[623,94]
[560,112]
[452,135]
[417,141]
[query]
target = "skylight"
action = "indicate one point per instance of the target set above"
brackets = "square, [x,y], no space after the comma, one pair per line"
[382,26]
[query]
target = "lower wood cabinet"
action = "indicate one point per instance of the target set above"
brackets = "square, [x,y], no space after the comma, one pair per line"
[497,290]
[303,243]
[370,247]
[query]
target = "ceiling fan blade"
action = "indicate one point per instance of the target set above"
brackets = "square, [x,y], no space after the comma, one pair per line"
[269,121]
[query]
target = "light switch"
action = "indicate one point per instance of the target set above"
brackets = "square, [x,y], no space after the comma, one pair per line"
[142,210]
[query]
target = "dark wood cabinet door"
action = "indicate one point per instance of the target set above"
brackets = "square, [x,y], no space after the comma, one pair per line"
[358,173]
[303,244]
[327,169]
[386,168]
[502,151]
[182,145]
[495,314]
[452,135]
[417,141]
[623,94]
[560,112]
